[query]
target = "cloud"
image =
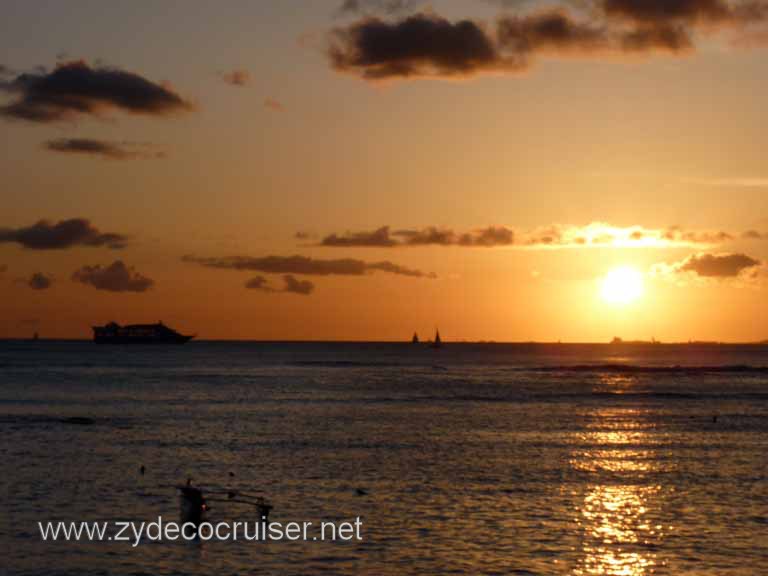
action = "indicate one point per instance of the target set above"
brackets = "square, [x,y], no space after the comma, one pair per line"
[102,148]
[291,285]
[40,281]
[429,45]
[388,7]
[718,265]
[678,235]
[75,89]
[239,78]
[555,236]
[117,277]
[259,283]
[303,265]
[385,238]
[430,236]
[64,234]
[379,237]
[418,45]
[273,105]
[710,266]
[296,286]
[656,12]
[491,236]
[387,266]
[604,235]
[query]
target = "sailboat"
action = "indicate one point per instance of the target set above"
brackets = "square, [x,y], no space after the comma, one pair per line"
[415,339]
[437,343]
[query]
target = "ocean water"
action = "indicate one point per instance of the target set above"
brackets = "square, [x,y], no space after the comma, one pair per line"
[473,459]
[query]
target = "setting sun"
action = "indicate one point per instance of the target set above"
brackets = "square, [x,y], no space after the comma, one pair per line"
[622,285]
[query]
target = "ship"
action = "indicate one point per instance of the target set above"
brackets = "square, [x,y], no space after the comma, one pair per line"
[437,343]
[159,333]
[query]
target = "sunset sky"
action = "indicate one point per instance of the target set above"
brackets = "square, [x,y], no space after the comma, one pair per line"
[367,169]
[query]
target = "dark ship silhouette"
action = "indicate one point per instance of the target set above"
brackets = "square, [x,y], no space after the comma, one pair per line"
[159,333]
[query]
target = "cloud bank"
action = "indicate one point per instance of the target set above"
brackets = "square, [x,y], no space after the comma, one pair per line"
[44,235]
[556,236]
[430,45]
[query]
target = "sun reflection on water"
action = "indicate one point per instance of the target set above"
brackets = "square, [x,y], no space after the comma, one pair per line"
[616,516]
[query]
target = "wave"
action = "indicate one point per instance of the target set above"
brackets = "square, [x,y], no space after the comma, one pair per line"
[344,364]
[640,369]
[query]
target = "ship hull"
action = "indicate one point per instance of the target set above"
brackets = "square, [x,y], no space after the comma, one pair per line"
[181,339]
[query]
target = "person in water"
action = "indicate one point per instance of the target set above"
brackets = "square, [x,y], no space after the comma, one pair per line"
[193,505]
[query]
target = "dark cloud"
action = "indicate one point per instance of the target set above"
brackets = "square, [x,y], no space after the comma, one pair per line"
[379,237]
[424,45]
[392,268]
[665,11]
[40,281]
[259,283]
[417,45]
[754,235]
[303,265]
[296,286]
[103,148]
[553,30]
[491,236]
[717,265]
[117,277]
[75,89]
[237,78]
[291,284]
[673,38]
[430,236]
[64,234]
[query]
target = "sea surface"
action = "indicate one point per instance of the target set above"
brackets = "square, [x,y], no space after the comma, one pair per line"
[472,459]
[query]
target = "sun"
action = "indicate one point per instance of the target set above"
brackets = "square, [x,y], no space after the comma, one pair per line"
[622,285]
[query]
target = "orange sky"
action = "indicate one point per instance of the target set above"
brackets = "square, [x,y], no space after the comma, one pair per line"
[583,151]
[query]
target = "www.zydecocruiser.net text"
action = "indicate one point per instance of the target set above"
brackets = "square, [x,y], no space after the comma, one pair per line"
[161,530]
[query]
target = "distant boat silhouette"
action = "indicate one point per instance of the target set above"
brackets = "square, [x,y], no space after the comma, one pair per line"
[415,339]
[437,343]
[35,336]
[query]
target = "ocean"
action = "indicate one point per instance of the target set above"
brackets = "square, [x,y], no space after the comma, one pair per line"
[471,459]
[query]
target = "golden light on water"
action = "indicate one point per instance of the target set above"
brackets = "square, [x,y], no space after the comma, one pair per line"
[617,533]
[616,516]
